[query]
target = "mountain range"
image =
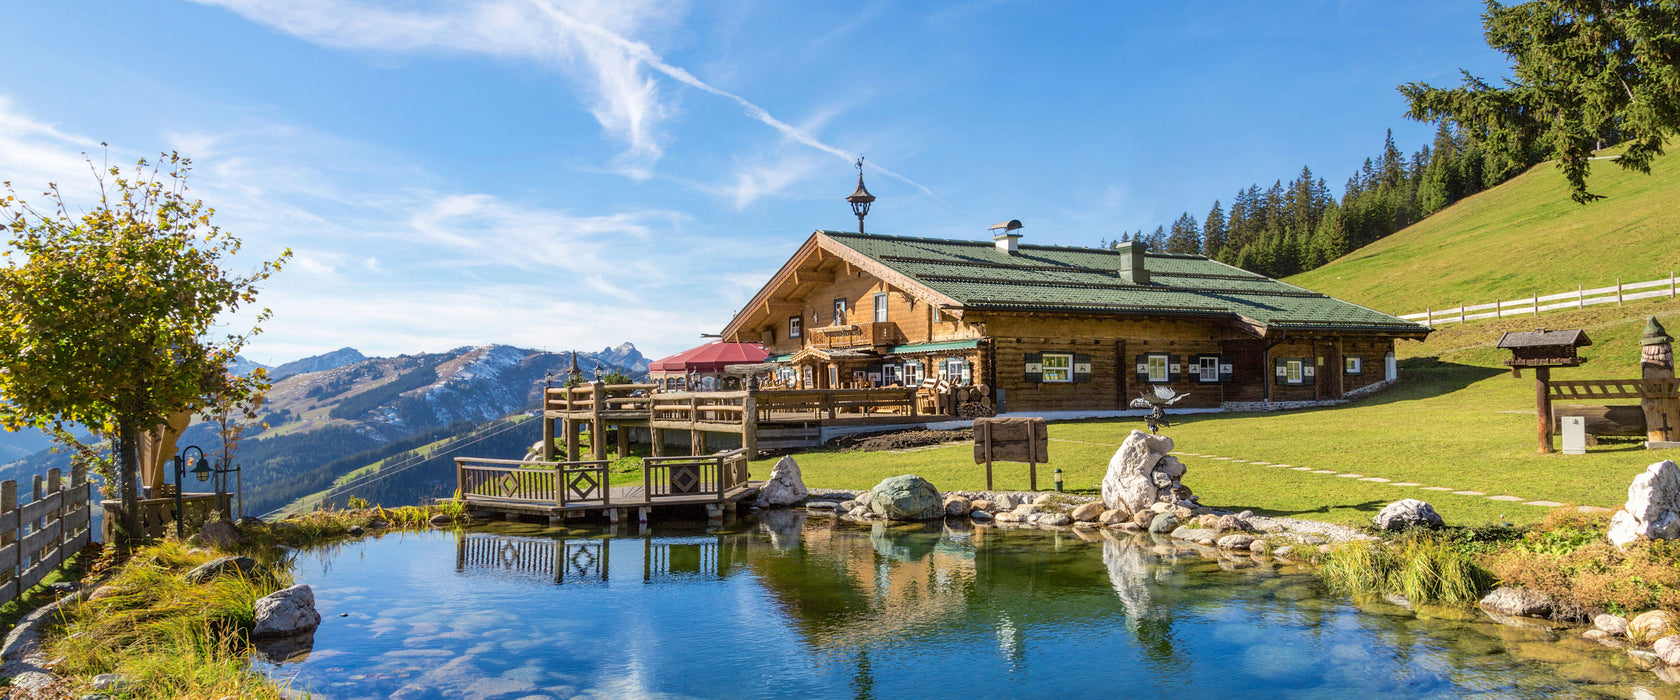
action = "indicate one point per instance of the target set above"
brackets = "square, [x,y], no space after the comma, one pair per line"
[338,412]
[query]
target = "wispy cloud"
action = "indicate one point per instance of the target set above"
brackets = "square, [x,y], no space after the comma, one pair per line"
[591,39]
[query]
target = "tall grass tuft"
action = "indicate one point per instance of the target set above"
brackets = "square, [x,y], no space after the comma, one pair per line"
[1423,567]
[170,637]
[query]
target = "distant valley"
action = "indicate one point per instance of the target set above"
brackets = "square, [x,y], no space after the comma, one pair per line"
[339,412]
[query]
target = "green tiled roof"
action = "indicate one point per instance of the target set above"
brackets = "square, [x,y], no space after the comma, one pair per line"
[936,347]
[1085,280]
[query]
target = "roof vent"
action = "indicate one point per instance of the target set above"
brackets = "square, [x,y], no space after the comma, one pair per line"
[1132,267]
[1005,237]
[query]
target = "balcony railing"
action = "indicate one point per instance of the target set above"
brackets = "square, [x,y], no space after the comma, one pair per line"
[857,335]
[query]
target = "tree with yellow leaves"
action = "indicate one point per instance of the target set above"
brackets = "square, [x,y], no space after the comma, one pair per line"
[106,316]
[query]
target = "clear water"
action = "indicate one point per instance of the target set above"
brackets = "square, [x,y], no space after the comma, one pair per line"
[820,608]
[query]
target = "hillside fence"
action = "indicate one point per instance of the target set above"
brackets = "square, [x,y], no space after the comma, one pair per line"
[38,535]
[1533,305]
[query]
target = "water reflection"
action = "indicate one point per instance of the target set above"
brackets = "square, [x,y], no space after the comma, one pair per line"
[791,605]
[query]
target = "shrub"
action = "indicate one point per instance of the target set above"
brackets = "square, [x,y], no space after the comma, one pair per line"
[1422,566]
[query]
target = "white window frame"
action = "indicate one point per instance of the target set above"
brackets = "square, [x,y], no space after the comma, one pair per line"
[1293,372]
[1152,363]
[1207,368]
[795,325]
[881,307]
[914,372]
[1057,368]
[1353,365]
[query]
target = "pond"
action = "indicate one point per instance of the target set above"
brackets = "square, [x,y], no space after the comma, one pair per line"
[817,607]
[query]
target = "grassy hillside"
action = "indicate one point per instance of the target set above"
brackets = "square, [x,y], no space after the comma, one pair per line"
[1522,237]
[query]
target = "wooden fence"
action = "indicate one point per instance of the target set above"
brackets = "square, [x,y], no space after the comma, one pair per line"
[38,535]
[1533,305]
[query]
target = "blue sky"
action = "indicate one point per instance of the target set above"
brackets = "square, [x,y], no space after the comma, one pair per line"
[558,174]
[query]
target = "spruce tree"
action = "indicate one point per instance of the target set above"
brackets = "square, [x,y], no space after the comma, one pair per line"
[1213,232]
[1184,237]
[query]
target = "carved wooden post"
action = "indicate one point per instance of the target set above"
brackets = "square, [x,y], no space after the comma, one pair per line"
[1543,406]
[571,428]
[547,434]
[749,423]
[598,424]
[1656,362]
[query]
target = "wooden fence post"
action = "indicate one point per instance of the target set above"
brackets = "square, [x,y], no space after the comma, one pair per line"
[1671,284]
[79,489]
[55,482]
[598,426]
[1497,311]
[1618,291]
[749,424]
[1428,320]
[9,526]
[1536,303]
[1580,298]
[36,524]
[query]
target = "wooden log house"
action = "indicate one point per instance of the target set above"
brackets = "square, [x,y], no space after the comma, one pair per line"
[1053,330]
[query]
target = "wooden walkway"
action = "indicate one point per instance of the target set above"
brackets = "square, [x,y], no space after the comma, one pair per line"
[558,489]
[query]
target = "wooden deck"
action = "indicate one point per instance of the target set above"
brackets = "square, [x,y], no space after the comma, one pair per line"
[557,489]
[763,420]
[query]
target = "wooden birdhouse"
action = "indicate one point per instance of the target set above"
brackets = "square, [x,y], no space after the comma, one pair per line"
[1543,348]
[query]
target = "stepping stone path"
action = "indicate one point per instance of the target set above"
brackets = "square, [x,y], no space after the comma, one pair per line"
[1372,479]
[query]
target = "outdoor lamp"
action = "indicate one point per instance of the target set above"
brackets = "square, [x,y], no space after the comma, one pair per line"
[598,373]
[1058,475]
[201,469]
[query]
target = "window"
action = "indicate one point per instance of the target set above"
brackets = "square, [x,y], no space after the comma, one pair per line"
[913,373]
[1058,368]
[1292,372]
[793,326]
[839,312]
[1158,368]
[1207,367]
[881,308]
[956,370]
[1352,365]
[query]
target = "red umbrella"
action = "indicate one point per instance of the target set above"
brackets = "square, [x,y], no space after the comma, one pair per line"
[711,357]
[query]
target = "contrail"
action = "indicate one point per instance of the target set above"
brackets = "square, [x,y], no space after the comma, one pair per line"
[645,54]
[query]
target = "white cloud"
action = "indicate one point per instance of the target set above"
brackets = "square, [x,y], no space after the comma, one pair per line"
[589,39]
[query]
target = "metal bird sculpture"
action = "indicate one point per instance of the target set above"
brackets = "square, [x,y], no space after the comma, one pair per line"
[1158,403]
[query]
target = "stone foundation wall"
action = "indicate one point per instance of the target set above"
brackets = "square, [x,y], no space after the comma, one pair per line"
[1259,406]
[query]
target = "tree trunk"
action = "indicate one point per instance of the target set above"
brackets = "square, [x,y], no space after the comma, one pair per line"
[128,473]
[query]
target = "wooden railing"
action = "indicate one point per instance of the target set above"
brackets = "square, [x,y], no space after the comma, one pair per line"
[699,407]
[37,536]
[688,477]
[830,403]
[157,515]
[538,483]
[583,398]
[857,335]
[1656,389]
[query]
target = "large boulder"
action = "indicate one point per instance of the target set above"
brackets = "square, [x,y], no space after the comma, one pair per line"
[220,534]
[286,612]
[1087,513]
[907,497]
[786,486]
[1406,513]
[1653,506]
[1516,600]
[957,506]
[1136,473]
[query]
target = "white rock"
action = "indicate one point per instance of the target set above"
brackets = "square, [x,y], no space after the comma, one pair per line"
[1407,512]
[1653,506]
[286,612]
[1130,483]
[786,486]
[1611,624]
[1668,649]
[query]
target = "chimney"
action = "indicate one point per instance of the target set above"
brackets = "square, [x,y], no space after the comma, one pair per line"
[1005,237]
[1132,268]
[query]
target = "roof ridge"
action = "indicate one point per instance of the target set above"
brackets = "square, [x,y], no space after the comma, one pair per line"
[989,244]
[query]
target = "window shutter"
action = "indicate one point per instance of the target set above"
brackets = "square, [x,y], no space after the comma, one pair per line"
[1081,368]
[1225,373]
[1281,371]
[1143,369]
[1034,368]
[1174,368]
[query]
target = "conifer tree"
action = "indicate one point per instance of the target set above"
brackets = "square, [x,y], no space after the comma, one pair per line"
[1213,232]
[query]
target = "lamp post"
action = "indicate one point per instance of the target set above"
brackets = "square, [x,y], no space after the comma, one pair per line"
[861,198]
[201,469]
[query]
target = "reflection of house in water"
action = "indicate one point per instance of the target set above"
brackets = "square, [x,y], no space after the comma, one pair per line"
[592,560]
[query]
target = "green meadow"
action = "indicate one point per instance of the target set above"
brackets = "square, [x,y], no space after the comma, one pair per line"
[1457,420]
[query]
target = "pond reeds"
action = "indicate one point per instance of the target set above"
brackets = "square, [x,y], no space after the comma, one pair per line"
[1424,567]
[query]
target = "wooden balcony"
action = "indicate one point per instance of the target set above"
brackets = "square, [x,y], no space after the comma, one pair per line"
[857,335]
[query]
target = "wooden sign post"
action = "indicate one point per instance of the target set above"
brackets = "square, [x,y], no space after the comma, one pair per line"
[1012,440]
[1543,350]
